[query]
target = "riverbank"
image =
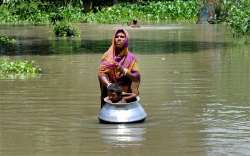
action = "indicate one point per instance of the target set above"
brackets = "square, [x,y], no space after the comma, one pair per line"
[151,12]
[235,14]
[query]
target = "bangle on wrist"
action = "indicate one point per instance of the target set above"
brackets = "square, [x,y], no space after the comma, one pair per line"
[108,84]
[125,71]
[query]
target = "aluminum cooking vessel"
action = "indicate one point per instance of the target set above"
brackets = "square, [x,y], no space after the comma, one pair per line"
[122,112]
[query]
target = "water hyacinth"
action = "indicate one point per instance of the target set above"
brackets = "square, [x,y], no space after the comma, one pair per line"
[14,68]
[150,12]
[5,40]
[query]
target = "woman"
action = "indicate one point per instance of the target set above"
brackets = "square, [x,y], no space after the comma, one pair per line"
[118,65]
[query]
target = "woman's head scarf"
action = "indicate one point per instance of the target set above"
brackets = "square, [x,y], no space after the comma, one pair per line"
[125,59]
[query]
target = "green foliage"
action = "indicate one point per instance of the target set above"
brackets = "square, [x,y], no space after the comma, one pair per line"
[6,16]
[5,40]
[36,12]
[72,14]
[151,12]
[15,68]
[28,11]
[68,13]
[238,17]
[23,12]
[65,29]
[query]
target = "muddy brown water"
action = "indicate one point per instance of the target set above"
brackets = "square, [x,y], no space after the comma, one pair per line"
[195,89]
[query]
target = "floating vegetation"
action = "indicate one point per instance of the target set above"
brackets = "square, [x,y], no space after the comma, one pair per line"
[18,69]
[5,40]
[65,29]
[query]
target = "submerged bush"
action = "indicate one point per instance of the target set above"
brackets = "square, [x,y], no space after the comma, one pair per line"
[14,68]
[5,40]
[65,29]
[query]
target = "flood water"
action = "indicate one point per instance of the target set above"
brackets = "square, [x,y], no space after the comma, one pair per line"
[195,88]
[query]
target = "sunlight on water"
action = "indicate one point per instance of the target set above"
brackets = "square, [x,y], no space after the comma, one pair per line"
[122,135]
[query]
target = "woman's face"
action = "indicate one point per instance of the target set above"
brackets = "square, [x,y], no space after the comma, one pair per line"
[120,39]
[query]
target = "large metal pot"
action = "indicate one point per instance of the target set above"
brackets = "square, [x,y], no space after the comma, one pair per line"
[122,112]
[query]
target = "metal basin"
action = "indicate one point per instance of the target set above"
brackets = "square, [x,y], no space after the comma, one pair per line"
[131,112]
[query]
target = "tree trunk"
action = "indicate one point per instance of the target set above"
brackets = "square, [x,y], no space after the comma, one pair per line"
[87,5]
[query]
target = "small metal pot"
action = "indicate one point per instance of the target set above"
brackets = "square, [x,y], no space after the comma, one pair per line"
[131,112]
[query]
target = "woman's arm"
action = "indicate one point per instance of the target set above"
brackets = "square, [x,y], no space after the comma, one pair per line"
[133,75]
[135,87]
[128,96]
[103,78]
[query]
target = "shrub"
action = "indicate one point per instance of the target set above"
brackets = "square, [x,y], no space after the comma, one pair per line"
[238,17]
[65,29]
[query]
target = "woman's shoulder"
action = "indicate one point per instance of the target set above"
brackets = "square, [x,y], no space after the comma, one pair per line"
[106,54]
[131,55]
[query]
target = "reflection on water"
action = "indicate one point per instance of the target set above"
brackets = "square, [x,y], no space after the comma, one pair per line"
[122,134]
[41,41]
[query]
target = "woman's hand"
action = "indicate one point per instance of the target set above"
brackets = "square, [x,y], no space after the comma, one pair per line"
[105,80]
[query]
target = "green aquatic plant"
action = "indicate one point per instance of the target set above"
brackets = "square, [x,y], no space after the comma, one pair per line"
[65,29]
[17,68]
[5,40]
